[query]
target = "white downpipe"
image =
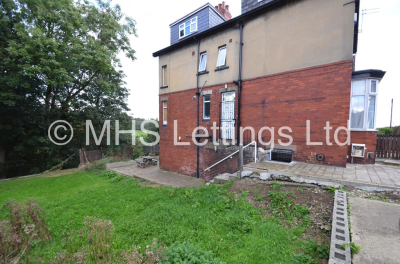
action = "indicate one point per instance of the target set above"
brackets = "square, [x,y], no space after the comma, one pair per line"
[255,155]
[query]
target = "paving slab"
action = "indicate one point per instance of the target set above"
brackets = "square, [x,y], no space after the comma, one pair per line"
[157,175]
[375,226]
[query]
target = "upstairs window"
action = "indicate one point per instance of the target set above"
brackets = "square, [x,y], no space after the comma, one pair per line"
[203,62]
[363,104]
[188,27]
[221,57]
[164,82]
[206,106]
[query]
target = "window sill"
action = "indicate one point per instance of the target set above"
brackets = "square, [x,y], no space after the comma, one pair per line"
[191,33]
[206,120]
[201,73]
[163,87]
[221,68]
[363,130]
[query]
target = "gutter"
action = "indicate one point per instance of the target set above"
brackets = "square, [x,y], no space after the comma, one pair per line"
[198,106]
[239,83]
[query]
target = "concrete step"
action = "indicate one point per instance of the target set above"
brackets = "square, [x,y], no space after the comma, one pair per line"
[221,179]
[392,162]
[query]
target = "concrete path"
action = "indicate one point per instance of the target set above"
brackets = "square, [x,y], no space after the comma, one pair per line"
[375,226]
[157,175]
[376,175]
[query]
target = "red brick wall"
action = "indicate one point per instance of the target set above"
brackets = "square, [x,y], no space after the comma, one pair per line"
[318,94]
[363,137]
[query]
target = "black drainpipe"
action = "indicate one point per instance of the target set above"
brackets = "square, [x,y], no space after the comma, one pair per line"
[198,107]
[239,83]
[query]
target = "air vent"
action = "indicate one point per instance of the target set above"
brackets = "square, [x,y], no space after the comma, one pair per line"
[320,157]
[281,155]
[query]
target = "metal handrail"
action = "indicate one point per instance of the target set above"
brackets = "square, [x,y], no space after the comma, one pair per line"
[255,155]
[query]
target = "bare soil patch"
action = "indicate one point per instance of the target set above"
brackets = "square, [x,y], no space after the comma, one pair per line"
[318,201]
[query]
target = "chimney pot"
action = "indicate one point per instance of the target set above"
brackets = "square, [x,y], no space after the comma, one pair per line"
[223,9]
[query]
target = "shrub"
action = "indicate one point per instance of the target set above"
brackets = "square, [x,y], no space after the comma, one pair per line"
[115,177]
[136,153]
[187,253]
[385,131]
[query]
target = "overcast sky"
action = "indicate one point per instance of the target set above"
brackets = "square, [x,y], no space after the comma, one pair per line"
[378,48]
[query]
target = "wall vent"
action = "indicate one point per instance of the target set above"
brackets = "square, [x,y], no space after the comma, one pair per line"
[281,155]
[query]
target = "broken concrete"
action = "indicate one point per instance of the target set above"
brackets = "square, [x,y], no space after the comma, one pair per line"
[289,178]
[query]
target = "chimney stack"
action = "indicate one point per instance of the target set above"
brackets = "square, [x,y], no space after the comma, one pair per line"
[224,10]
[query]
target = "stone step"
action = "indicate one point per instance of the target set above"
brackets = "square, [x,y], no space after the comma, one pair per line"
[221,179]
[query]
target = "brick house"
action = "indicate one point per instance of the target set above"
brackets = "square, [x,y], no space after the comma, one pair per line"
[280,63]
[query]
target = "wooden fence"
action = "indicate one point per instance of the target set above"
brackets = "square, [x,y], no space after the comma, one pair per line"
[388,147]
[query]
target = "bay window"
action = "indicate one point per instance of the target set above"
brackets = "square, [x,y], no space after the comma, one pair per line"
[363,104]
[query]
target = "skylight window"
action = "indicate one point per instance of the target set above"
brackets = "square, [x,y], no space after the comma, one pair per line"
[188,27]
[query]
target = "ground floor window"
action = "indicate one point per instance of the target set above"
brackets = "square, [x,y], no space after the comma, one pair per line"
[363,104]
[206,106]
[165,112]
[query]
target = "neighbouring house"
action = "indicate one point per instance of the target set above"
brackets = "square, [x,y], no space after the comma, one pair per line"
[280,63]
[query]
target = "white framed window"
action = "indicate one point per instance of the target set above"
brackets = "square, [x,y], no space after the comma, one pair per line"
[188,27]
[363,104]
[203,62]
[206,106]
[164,81]
[221,57]
[165,111]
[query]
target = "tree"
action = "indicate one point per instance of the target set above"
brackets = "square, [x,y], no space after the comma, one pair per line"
[58,60]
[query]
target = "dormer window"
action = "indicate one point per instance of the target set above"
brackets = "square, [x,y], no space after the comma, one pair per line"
[188,27]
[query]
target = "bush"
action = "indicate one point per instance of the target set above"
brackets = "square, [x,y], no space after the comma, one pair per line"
[187,253]
[115,177]
[136,153]
[385,131]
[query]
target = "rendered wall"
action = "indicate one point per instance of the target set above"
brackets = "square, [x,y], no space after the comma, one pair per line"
[298,35]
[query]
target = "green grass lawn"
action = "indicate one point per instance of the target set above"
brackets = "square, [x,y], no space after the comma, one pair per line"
[140,133]
[209,217]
